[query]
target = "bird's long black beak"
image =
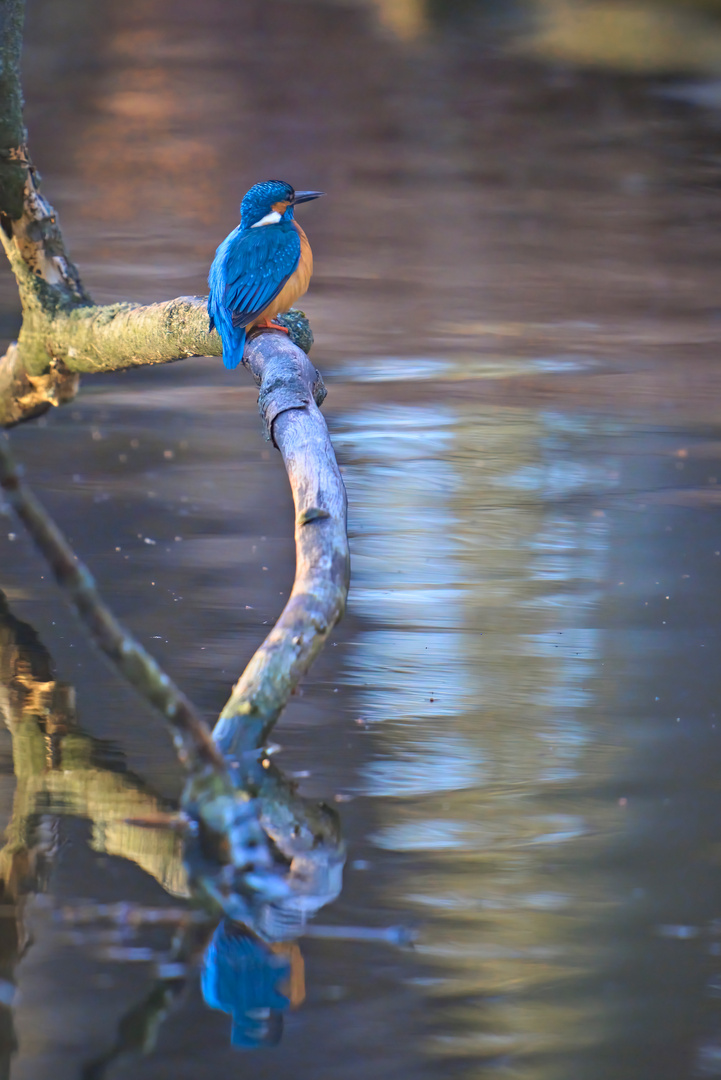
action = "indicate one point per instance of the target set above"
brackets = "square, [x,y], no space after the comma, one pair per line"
[306,196]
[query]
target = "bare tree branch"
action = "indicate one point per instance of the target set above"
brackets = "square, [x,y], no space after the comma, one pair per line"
[290,391]
[192,737]
[289,388]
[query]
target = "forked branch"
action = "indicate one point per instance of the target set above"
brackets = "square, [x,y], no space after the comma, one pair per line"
[63,333]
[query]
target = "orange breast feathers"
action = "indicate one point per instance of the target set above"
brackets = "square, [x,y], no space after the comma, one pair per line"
[296,285]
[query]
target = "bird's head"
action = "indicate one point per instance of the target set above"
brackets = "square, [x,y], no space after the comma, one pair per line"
[271,201]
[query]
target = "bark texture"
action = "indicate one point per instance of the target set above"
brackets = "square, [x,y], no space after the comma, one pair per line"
[59,342]
[24,396]
[290,389]
[116,336]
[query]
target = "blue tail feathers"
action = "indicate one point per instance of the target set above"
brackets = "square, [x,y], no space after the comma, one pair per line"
[221,319]
[233,345]
[233,337]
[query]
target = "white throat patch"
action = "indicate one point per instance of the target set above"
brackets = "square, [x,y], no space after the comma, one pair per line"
[270,219]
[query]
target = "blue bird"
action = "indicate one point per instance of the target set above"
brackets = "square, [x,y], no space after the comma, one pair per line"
[241,976]
[262,268]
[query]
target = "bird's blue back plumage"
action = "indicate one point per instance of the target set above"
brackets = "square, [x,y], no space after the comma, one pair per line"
[250,268]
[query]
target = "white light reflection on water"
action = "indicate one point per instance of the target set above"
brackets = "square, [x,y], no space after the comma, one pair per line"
[478,669]
[372,369]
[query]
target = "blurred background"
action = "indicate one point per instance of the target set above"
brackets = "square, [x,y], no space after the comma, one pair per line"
[516,311]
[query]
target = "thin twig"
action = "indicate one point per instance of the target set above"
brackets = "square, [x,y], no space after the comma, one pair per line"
[191,735]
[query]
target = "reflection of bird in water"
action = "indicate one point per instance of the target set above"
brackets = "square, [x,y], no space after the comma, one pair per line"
[262,268]
[241,976]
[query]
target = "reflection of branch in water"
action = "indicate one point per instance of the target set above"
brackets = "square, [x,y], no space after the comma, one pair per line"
[237,866]
[61,770]
[254,850]
[191,736]
[138,1029]
[305,838]
[232,864]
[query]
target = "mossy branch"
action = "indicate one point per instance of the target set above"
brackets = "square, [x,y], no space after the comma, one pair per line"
[63,333]
[57,345]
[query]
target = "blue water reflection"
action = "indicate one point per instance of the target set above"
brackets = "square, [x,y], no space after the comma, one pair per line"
[240,976]
[516,309]
[490,676]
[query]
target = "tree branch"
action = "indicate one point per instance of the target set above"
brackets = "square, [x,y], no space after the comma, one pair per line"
[290,388]
[290,391]
[126,335]
[192,737]
[63,333]
[24,396]
[89,339]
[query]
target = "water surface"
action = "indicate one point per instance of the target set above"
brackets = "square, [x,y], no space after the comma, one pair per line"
[516,312]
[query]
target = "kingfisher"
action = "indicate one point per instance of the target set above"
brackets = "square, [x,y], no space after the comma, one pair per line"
[261,268]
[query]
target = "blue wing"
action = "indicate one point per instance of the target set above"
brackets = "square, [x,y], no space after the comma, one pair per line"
[249,270]
[257,268]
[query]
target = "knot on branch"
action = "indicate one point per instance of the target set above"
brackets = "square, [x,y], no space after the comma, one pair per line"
[23,396]
[279,394]
[312,513]
[298,327]
[56,387]
[285,377]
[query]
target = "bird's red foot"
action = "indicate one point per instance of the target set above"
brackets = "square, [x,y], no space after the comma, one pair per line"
[268,324]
